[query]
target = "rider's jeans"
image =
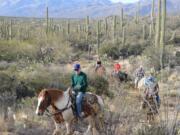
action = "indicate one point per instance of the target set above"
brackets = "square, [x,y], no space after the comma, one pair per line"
[79,98]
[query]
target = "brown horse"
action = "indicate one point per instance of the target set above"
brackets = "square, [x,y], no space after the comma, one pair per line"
[62,111]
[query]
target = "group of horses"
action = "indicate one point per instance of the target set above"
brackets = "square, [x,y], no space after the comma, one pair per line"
[62,104]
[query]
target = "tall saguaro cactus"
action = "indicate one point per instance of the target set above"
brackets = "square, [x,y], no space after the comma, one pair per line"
[114,28]
[123,36]
[68,27]
[162,34]
[106,26]
[10,30]
[98,36]
[144,31]
[152,15]
[47,20]
[158,25]
[150,31]
[87,24]
[87,28]
[122,18]
[137,13]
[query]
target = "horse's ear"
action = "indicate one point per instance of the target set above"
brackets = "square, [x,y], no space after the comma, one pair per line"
[46,92]
[37,92]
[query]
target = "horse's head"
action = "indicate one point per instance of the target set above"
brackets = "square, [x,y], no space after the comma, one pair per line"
[44,100]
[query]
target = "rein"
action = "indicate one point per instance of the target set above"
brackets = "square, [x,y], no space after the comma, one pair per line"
[49,114]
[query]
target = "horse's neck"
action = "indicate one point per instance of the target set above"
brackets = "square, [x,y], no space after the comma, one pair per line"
[63,101]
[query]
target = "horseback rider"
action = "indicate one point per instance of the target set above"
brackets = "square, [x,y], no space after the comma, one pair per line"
[117,73]
[140,72]
[98,64]
[116,70]
[79,85]
[151,84]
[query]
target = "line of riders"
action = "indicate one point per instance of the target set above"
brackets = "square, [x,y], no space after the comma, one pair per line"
[80,84]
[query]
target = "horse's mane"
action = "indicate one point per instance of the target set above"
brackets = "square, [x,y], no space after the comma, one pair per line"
[54,90]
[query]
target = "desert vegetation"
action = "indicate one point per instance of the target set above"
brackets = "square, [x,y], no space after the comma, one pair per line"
[37,53]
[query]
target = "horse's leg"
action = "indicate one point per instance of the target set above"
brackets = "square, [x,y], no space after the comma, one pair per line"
[89,126]
[93,123]
[68,128]
[135,83]
[56,130]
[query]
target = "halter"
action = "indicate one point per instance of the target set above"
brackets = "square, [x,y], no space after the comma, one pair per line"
[58,110]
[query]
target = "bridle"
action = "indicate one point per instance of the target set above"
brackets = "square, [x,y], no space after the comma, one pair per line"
[59,111]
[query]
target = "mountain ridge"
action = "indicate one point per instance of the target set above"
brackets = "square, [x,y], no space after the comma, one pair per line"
[76,8]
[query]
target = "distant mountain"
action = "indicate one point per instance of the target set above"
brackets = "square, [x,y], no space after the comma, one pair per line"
[76,8]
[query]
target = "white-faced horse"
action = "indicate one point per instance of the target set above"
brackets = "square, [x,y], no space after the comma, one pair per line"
[62,108]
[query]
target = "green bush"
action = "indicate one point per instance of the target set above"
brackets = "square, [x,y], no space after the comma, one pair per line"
[114,51]
[110,50]
[130,50]
[99,85]
[153,56]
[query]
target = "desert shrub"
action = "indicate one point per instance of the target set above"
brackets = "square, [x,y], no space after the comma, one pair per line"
[14,51]
[130,50]
[7,92]
[22,90]
[66,80]
[155,130]
[153,56]
[178,54]
[99,85]
[114,51]
[110,50]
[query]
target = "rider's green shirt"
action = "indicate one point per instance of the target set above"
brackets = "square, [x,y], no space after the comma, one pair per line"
[79,80]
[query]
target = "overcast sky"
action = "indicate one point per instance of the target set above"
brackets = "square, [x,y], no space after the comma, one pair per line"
[125,1]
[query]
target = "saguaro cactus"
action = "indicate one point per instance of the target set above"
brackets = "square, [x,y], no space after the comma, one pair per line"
[122,18]
[10,30]
[150,31]
[68,27]
[87,24]
[98,36]
[144,31]
[123,36]
[162,34]
[87,28]
[47,20]
[152,15]
[158,21]
[114,28]
[106,26]
[137,13]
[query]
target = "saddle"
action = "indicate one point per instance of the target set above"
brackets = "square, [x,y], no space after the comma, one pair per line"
[89,104]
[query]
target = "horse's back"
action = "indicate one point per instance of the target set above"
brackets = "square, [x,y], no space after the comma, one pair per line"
[92,104]
[100,71]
